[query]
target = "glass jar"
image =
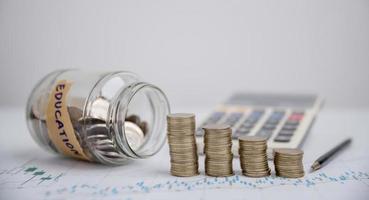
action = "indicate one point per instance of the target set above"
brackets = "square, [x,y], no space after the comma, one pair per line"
[109,118]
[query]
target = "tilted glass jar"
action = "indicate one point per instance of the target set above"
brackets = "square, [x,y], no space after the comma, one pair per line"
[109,118]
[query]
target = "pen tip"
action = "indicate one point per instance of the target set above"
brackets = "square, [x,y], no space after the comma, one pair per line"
[314,167]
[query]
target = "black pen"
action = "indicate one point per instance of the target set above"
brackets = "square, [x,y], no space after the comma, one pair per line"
[322,160]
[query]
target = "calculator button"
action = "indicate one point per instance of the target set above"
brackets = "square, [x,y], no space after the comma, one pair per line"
[275,117]
[233,118]
[279,111]
[272,121]
[247,125]
[252,120]
[243,130]
[282,138]
[286,133]
[257,113]
[265,133]
[214,118]
[289,127]
[277,114]
[296,116]
[269,126]
[295,123]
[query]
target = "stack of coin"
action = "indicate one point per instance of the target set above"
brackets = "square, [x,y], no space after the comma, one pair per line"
[182,144]
[288,163]
[253,156]
[218,150]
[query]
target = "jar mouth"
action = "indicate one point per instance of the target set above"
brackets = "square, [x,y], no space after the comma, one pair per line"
[157,107]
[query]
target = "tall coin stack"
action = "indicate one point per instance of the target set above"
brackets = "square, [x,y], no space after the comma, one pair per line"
[288,163]
[218,150]
[253,156]
[182,144]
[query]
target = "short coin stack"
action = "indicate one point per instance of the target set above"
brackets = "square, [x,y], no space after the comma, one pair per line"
[288,163]
[253,156]
[182,144]
[218,150]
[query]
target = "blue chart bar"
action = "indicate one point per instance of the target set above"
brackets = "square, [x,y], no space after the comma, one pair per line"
[30,175]
[35,174]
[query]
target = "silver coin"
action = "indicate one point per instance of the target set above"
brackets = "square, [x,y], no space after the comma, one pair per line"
[134,135]
[99,108]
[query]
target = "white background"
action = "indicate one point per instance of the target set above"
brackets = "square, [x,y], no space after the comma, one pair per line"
[198,52]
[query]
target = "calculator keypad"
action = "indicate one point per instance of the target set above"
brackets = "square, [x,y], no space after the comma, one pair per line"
[267,129]
[289,127]
[248,124]
[284,119]
[233,118]
[269,126]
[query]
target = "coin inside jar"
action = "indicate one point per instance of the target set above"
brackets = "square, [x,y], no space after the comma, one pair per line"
[134,135]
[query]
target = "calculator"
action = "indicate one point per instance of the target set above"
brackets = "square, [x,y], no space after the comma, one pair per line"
[284,119]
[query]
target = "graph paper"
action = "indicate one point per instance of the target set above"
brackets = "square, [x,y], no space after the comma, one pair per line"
[62,178]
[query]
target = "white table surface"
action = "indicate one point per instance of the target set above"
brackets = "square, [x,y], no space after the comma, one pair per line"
[17,146]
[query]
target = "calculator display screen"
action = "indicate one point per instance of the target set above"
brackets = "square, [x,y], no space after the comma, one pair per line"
[272,100]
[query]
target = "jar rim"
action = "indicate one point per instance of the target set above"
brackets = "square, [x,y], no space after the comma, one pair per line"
[121,109]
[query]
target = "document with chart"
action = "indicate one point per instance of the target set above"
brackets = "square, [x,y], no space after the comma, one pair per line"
[54,177]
